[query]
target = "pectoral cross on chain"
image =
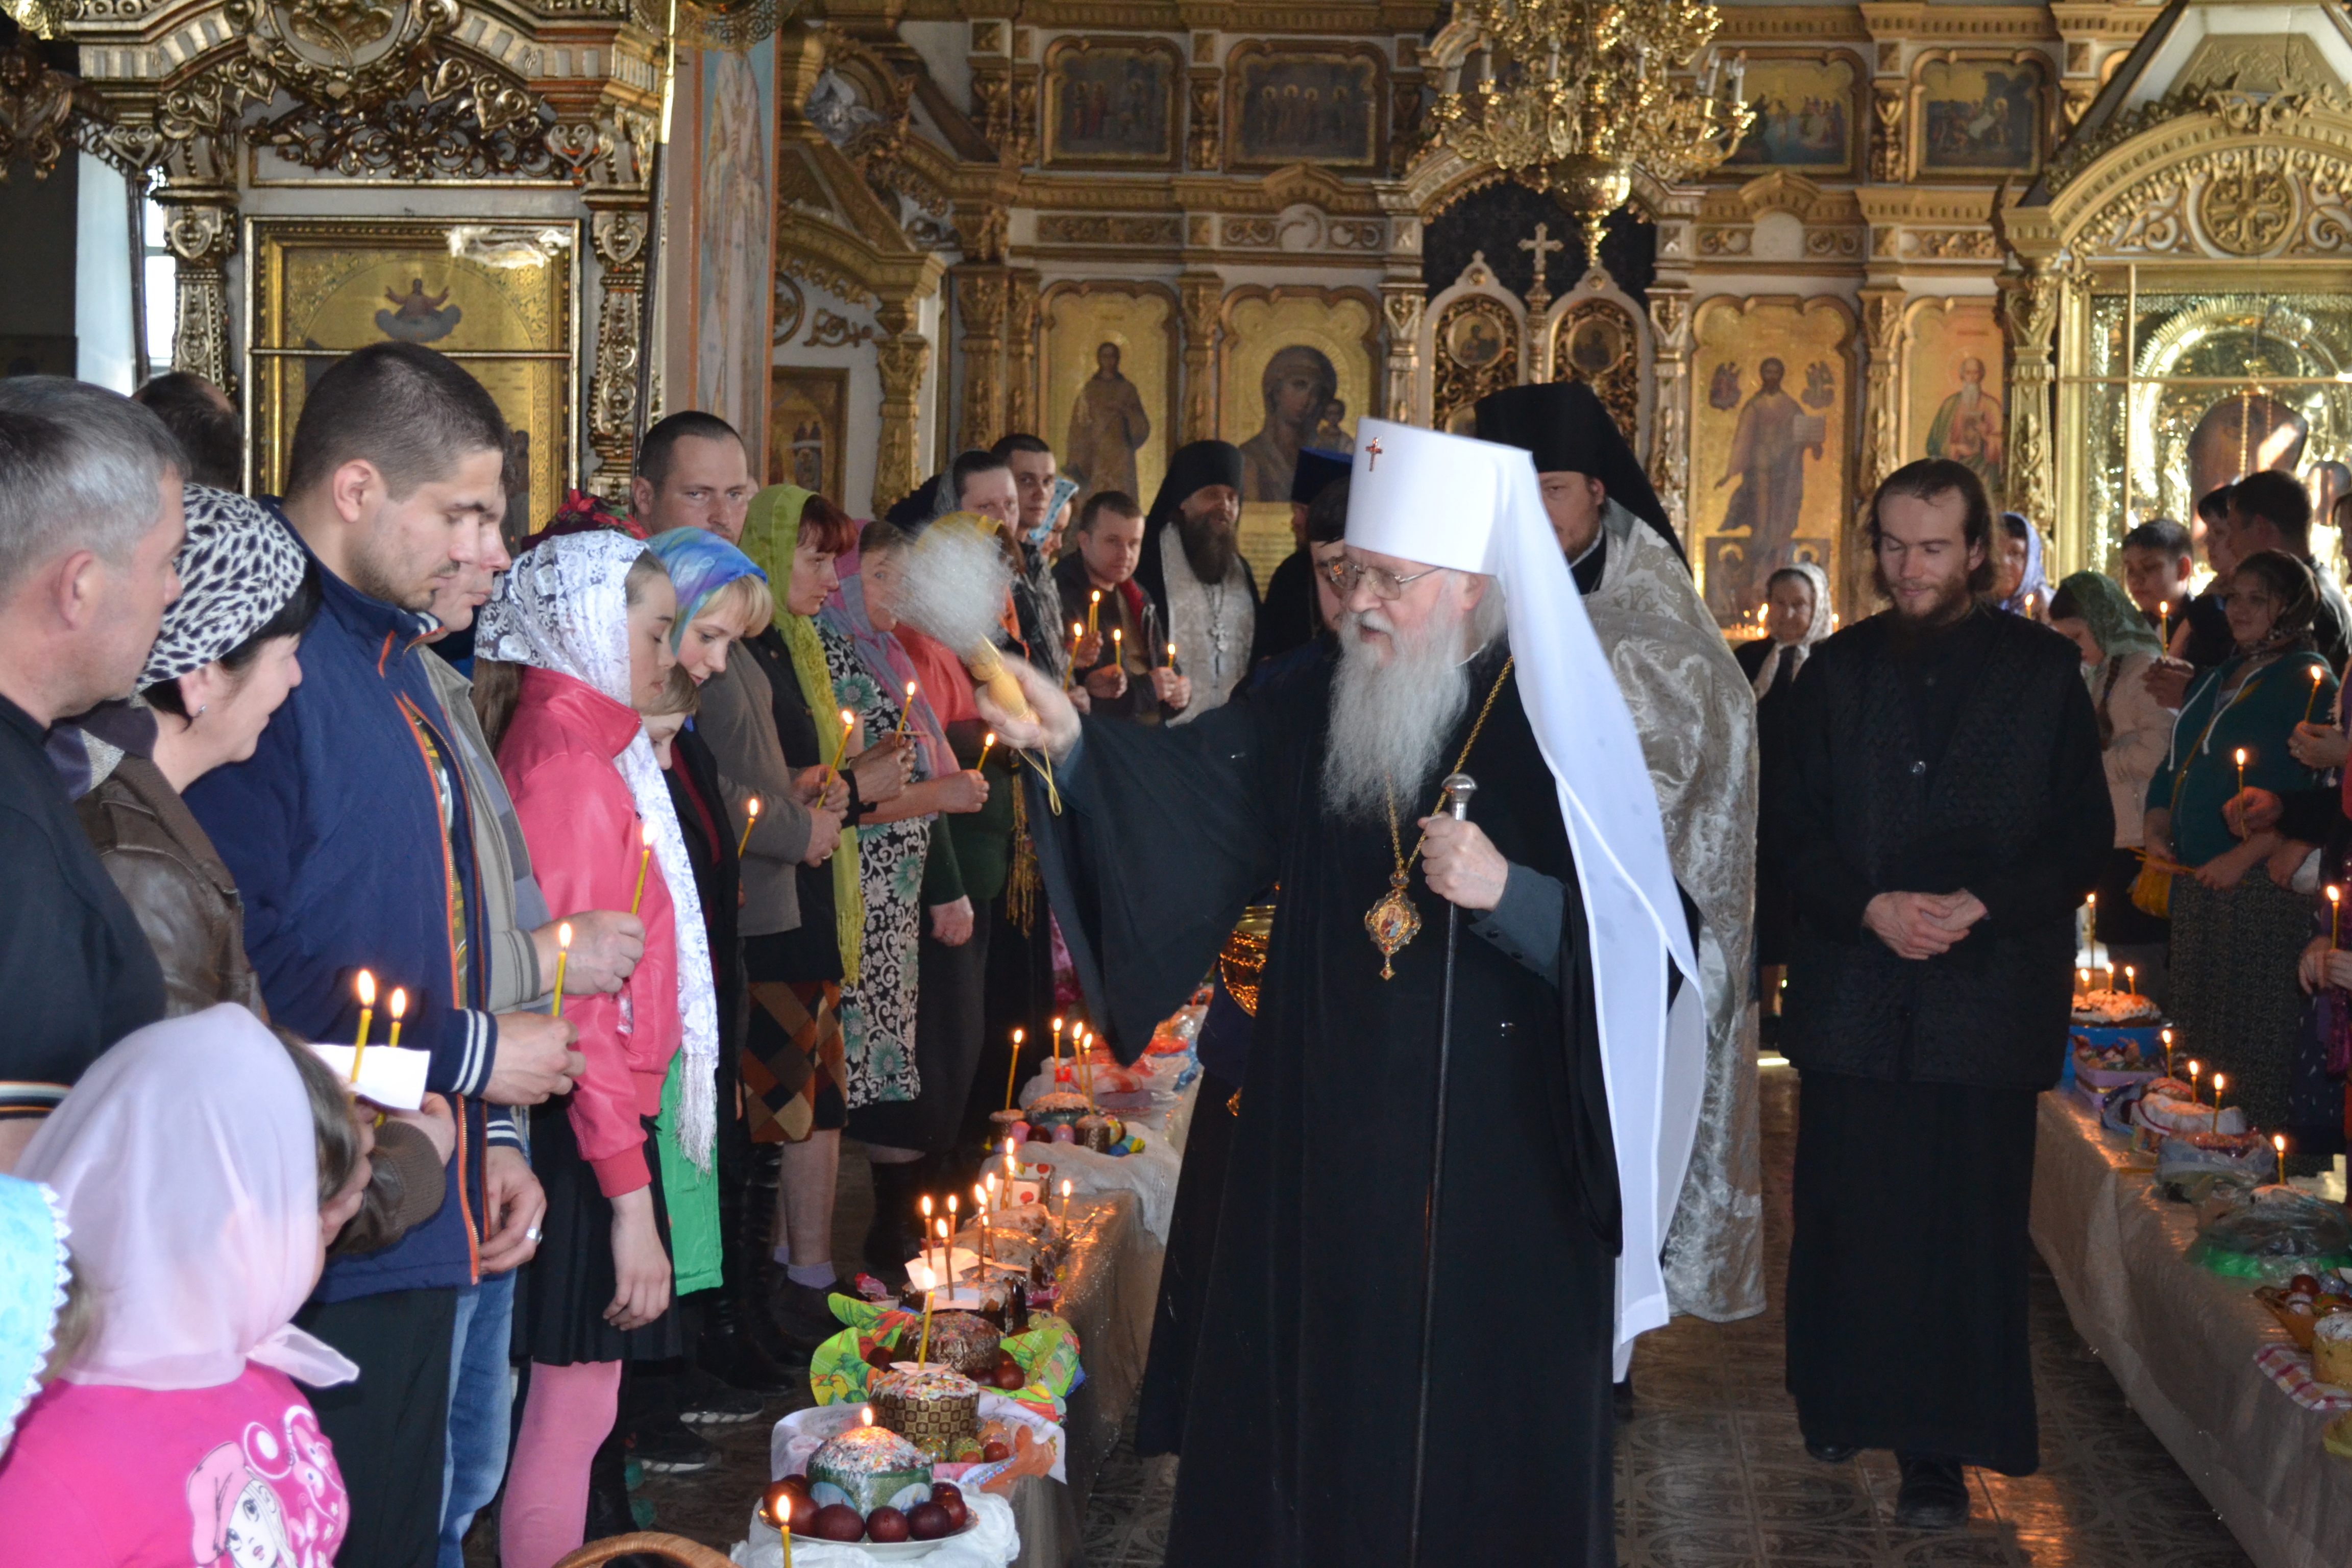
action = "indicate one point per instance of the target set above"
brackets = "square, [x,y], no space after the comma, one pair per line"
[1372,451]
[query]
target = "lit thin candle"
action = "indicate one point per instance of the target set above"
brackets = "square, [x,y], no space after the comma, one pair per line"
[987,745]
[2164,622]
[2131,981]
[927,1239]
[903,709]
[2167,1053]
[562,957]
[644,859]
[948,1228]
[365,985]
[2221,1081]
[923,1351]
[841,743]
[1094,609]
[2335,917]
[2278,1144]
[1171,656]
[751,819]
[1013,1068]
[2091,925]
[2318,674]
[2195,1067]
[399,1006]
[1057,1047]
[2242,789]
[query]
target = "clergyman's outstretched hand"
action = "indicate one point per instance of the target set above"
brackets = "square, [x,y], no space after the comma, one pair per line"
[1054,726]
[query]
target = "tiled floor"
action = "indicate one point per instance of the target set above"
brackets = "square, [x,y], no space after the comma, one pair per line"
[1711,1472]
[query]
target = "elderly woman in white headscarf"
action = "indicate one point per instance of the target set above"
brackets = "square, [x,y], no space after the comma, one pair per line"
[1797,615]
[626,1162]
[202,1168]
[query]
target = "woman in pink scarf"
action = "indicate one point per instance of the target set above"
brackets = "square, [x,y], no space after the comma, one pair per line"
[203,1167]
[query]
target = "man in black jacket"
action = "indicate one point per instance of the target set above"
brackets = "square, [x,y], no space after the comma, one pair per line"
[1939,810]
[89,527]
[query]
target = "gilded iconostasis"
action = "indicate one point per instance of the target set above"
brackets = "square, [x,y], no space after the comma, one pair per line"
[2096,253]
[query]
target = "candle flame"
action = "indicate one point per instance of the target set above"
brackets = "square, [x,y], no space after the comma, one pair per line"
[366,985]
[646,833]
[399,1003]
[563,934]
[1065,1191]
[910,692]
[2194,1066]
[988,739]
[751,806]
[927,1209]
[2163,607]
[952,1206]
[942,1226]
[1098,597]
[1019,1036]
[979,1193]
[1057,1024]
[867,1415]
[2219,1079]
[2334,895]
[2241,756]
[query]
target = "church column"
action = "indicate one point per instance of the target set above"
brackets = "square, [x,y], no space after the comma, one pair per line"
[200,226]
[1670,325]
[2028,301]
[979,300]
[1200,300]
[1881,428]
[1020,356]
[1402,305]
[616,233]
[902,356]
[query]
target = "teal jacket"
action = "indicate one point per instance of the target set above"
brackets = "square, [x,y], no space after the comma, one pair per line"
[2199,772]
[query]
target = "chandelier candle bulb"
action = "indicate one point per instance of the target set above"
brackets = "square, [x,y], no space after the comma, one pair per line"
[562,957]
[644,859]
[751,817]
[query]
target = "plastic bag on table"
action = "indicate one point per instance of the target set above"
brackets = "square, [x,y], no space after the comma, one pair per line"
[2279,1233]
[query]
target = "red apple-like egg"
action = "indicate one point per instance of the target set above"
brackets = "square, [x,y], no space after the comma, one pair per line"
[1009,1375]
[836,1522]
[993,1453]
[928,1521]
[886,1524]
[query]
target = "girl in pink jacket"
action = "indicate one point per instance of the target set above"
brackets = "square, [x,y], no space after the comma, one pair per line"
[588,617]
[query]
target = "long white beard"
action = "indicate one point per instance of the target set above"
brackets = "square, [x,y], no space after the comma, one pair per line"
[1389,719]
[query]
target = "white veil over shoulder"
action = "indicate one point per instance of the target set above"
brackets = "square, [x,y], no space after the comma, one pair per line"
[1474,506]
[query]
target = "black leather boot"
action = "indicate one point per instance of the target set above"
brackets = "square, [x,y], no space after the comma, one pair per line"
[895,1235]
[734,1341]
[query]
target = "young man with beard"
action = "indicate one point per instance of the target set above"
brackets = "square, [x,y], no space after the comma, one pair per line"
[1192,568]
[1329,784]
[1939,810]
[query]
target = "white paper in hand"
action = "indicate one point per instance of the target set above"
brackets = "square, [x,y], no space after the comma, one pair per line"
[393,1078]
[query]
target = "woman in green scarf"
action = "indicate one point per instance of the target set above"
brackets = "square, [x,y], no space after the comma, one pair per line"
[2119,651]
[794,1077]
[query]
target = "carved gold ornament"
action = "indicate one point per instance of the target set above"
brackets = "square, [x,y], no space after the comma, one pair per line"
[2247,212]
[1572,94]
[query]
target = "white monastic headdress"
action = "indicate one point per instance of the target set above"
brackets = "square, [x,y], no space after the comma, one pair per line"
[1474,506]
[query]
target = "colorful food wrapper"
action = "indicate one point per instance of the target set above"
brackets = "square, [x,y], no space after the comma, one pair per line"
[838,1370]
[1048,1351]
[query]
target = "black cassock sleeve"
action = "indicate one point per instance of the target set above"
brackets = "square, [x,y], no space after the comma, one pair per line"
[1163,836]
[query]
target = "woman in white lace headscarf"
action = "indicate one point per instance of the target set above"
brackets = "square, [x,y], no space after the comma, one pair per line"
[588,615]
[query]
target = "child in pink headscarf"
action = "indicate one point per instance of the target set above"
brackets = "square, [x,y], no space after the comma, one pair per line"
[203,1167]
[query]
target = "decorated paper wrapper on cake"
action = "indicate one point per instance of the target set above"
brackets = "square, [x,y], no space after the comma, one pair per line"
[869,1467]
[1059,1108]
[2276,1234]
[936,1408]
[840,1374]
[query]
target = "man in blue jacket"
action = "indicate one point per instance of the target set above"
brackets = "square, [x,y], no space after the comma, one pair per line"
[349,836]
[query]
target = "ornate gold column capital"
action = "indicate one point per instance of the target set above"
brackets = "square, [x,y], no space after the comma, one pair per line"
[1401,308]
[2030,300]
[1199,302]
[902,356]
[981,293]
[200,226]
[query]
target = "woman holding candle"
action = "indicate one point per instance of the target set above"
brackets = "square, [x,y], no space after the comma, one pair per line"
[802,917]
[2236,938]
[589,616]
[870,671]
[2119,652]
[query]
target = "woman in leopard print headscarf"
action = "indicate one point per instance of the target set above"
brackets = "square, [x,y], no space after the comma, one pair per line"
[223,662]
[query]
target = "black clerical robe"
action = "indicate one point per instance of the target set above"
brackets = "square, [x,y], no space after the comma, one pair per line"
[1299,1436]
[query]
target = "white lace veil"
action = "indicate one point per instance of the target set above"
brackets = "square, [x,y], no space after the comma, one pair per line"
[564,607]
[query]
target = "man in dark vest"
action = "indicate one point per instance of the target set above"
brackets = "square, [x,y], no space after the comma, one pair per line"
[1939,810]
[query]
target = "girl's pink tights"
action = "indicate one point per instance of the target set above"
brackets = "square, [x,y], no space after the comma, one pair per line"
[567,1414]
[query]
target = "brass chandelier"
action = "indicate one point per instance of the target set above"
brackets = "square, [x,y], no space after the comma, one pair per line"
[1569,95]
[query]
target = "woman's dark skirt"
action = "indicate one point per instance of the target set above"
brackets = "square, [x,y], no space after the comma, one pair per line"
[571,1281]
[948,1016]
[2236,1004]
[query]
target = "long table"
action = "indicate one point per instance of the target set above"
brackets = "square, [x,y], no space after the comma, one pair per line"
[2182,1341]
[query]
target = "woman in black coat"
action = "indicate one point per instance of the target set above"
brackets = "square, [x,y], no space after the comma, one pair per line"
[1797,616]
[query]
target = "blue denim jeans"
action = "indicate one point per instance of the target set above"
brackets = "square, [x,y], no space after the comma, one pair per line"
[481,1399]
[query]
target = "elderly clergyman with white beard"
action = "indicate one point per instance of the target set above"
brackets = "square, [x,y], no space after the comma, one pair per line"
[1576,1053]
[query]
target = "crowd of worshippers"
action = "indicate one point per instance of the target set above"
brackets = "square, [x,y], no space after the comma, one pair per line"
[259,755]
